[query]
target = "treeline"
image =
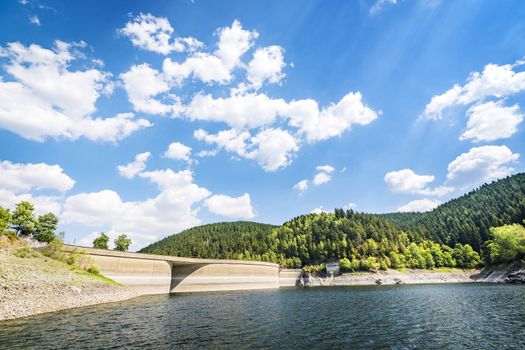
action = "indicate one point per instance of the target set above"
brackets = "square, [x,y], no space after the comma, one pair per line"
[469,218]
[242,240]
[456,234]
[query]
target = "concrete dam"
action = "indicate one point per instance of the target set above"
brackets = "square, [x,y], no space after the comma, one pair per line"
[159,274]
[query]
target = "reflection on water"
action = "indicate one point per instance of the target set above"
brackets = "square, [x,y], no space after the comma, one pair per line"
[480,316]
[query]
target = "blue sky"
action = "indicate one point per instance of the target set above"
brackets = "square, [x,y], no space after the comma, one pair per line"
[151,117]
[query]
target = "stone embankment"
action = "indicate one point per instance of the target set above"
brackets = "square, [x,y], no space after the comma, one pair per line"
[36,284]
[392,277]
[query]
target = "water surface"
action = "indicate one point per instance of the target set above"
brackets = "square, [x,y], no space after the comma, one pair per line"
[448,316]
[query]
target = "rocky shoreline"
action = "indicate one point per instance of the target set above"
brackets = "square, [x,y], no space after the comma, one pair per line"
[395,277]
[37,284]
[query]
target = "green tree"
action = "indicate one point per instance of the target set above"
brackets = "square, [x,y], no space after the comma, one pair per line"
[122,243]
[101,242]
[508,244]
[46,227]
[23,218]
[5,219]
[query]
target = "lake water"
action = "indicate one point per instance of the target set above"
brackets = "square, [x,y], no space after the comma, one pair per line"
[449,316]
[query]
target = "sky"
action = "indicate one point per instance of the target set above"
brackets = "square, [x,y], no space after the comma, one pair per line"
[148,118]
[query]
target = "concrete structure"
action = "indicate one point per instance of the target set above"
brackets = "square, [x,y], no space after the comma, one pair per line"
[156,274]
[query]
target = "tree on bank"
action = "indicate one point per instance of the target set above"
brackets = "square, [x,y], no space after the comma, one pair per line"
[5,219]
[46,227]
[23,219]
[508,244]
[101,242]
[122,243]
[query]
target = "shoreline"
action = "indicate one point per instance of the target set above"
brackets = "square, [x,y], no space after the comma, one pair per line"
[37,285]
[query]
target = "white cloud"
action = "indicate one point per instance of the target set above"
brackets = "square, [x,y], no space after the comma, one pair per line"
[271,148]
[43,204]
[216,67]
[130,170]
[325,168]
[34,20]
[319,210]
[238,111]
[379,5]
[332,120]
[481,164]
[420,205]
[266,66]
[407,181]
[231,207]
[155,34]
[177,150]
[47,99]
[142,84]
[274,149]
[321,178]
[350,206]
[301,186]
[495,81]
[24,177]
[145,221]
[491,121]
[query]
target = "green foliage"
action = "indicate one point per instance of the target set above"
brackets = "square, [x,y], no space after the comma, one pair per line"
[227,240]
[25,252]
[122,243]
[101,242]
[23,218]
[314,268]
[508,244]
[46,227]
[94,269]
[5,219]
[468,219]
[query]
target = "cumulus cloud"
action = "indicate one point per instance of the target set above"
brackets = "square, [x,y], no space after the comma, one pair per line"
[266,66]
[142,83]
[177,150]
[174,209]
[491,121]
[231,207]
[301,186]
[155,34]
[420,205]
[41,102]
[481,164]
[407,181]
[319,210]
[271,148]
[350,206]
[34,20]
[216,67]
[130,170]
[17,179]
[495,81]
[321,178]
[28,176]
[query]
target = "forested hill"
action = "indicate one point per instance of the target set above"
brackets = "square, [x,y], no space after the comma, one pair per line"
[467,219]
[222,240]
[442,237]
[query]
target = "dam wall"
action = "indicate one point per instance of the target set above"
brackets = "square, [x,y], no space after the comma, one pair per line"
[289,277]
[159,274]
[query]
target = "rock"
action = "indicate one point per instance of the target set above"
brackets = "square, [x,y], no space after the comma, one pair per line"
[379,281]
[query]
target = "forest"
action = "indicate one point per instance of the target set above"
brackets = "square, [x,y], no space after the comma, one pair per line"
[464,232]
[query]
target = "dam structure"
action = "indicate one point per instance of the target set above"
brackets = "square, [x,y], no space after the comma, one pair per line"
[159,274]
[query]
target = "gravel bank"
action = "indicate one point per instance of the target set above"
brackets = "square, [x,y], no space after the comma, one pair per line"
[38,284]
[393,277]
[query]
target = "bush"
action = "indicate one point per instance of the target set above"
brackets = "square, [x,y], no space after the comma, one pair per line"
[25,252]
[93,269]
[508,244]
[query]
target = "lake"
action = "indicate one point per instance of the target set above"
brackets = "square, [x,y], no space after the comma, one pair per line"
[444,316]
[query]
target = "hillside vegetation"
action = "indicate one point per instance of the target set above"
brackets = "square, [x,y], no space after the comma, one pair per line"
[456,234]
